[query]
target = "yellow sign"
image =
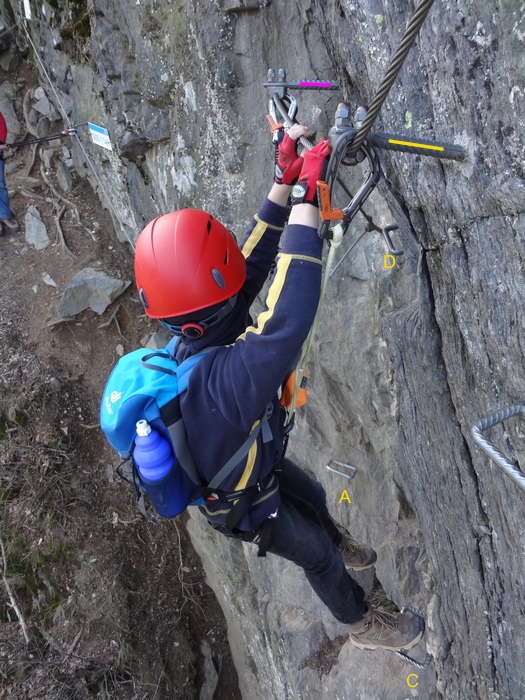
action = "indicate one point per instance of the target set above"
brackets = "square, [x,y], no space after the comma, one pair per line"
[387,259]
[345,497]
[409,677]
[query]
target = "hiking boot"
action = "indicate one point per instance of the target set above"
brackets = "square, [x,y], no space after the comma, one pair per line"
[355,556]
[378,629]
[11,225]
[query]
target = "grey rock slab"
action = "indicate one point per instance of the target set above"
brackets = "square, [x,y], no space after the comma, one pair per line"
[35,229]
[47,156]
[90,289]
[44,107]
[27,182]
[157,341]
[64,177]
[10,59]
[6,107]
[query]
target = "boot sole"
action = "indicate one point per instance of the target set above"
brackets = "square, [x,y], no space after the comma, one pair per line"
[5,228]
[370,645]
[360,568]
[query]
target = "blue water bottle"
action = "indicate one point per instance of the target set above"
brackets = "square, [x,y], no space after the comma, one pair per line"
[155,464]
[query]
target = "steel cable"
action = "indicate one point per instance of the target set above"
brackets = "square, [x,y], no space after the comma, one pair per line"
[79,142]
[490,450]
[395,66]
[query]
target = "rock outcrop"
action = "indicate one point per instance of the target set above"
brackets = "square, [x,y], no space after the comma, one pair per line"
[406,359]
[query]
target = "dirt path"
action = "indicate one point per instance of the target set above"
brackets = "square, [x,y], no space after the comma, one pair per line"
[115,607]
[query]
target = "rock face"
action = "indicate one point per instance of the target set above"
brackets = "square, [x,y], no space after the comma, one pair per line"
[406,359]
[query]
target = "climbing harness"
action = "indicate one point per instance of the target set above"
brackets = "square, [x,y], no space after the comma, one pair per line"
[491,450]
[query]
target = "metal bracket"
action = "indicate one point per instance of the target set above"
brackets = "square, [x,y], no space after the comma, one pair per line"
[403,655]
[414,662]
[342,465]
[386,235]
[489,449]
[278,86]
[281,85]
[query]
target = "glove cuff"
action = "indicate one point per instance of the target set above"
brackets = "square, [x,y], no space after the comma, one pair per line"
[278,174]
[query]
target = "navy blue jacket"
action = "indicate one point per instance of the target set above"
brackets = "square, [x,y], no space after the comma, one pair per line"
[230,388]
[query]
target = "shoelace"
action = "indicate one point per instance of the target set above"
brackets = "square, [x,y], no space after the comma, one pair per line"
[379,600]
[349,543]
[385,619]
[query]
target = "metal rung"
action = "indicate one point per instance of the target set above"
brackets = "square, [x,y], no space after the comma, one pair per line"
[414,611]
[410,660]
[342,465]
[403,655]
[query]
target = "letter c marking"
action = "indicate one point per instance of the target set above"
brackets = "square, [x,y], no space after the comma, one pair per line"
[412,675]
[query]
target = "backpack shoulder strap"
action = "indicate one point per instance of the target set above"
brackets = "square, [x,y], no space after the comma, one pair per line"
[171,414]
[172,418]
[243,450]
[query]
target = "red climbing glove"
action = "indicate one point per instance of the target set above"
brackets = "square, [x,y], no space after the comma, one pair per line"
[287,163]
[315,165]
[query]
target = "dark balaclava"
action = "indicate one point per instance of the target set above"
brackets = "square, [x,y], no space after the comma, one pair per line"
[225,332]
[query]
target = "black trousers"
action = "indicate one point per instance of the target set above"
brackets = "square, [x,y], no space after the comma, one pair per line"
[304,533]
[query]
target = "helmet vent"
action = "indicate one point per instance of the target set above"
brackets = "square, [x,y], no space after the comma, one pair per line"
[226,256]
[219,279]
[209,226]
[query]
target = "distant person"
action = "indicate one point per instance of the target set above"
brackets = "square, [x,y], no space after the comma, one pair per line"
[7,220]
[194,278]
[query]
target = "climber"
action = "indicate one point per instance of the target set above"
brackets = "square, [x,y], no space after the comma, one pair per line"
[6,217]
[193,277]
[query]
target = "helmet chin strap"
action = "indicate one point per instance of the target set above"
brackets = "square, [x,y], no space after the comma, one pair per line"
[196,329]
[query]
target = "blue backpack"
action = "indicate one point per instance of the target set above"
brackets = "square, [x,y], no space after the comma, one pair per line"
[148,385]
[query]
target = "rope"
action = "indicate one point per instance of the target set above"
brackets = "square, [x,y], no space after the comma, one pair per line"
[79,142]
[395,66]
[347,252]
[335,242]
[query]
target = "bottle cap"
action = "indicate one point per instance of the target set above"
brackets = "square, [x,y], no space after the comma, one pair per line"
[143,428]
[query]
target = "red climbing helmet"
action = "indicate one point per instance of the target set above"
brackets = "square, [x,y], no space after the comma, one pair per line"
[186,261]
